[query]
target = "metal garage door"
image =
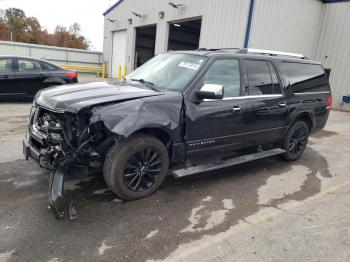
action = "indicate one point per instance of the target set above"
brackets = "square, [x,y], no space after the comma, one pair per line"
[119,52]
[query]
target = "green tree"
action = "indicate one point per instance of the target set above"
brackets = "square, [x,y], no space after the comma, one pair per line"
[16,21]
[28,30]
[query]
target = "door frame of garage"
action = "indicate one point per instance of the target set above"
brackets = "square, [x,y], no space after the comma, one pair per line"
[187,19]
[112,49]
[133,67]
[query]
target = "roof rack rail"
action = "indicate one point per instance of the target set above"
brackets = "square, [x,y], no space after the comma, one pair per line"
[271,53]
[218,49]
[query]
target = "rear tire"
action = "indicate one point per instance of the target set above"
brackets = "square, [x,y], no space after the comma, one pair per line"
[136,167]
[295,141]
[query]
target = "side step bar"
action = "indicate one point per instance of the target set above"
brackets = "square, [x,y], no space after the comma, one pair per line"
[191,170]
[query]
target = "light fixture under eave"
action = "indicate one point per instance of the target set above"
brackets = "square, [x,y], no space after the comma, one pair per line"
[161,14]
[177,25]
[129,21]
[175,5]
[112,21]
[136,14]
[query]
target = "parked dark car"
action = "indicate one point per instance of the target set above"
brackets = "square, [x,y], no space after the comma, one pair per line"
[22,77]
[192,111]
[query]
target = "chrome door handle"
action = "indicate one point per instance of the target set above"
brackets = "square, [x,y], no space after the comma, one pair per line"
[236,108]
[282,104]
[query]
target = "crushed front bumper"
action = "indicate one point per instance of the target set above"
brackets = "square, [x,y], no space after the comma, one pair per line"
[56,180]
[30,151]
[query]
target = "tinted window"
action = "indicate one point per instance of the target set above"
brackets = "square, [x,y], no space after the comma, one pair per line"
[5,65]
[275,83]
[305,77]
[48,67]
[226,73]
[28,65]
[259,77]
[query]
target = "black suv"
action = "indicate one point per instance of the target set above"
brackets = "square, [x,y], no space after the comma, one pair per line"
[22,77]
[191,111]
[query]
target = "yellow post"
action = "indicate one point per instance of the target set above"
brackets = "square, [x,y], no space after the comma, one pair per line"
[119,72]
[125,70]
[103,68]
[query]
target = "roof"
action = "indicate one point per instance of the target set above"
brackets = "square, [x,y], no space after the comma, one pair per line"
[112,7]
[120,1]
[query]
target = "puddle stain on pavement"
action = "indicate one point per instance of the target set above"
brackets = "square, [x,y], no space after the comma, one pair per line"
[189,208]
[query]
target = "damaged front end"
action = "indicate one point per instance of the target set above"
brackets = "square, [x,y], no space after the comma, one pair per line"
[60,141]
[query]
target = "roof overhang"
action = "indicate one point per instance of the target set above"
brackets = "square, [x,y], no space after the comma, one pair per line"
[112,7]
[120,1]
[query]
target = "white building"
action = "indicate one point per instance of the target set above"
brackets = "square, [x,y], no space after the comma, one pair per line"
[135,30]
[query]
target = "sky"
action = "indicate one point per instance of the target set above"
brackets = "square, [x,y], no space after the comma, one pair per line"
[50,13]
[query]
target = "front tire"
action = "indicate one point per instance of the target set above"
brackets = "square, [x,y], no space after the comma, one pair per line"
[295,141]
[135,168]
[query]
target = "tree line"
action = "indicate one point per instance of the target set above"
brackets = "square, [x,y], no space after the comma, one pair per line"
[15,26]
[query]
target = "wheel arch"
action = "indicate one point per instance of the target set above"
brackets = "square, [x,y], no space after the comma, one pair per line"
[159,133]
[308,118]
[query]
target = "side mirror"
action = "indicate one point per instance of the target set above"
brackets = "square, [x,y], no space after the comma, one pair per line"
[210,91]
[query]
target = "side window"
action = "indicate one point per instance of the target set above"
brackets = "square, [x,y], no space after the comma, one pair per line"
[5,65]
[25,65]
[259,77]
[305,77]
[47,67]
[275,83]
[225,72]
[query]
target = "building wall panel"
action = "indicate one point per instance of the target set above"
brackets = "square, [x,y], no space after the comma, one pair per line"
[58,55]
[287,25]
[333,49]
[223,23]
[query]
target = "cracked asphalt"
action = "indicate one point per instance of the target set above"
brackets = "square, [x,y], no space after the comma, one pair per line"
[268,210]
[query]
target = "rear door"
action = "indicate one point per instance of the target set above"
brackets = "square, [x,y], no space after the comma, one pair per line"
[28,77]
[266,107]
[6,76]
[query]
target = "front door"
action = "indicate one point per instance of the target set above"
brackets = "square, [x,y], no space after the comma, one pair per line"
[216,125]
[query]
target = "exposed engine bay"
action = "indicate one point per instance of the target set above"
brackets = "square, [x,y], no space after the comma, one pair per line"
[65,140]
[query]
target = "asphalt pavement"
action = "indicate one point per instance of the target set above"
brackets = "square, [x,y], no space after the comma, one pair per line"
[267,210]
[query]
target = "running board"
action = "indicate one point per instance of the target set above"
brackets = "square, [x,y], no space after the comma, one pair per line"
[191,170]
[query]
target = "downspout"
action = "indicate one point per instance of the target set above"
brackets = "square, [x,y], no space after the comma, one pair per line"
[249,24]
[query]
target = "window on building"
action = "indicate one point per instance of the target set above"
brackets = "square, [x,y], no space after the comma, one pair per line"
[225,72]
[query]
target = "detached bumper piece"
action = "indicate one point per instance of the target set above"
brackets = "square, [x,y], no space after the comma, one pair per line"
[56,191]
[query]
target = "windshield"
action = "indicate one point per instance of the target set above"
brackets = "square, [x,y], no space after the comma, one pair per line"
[168,71]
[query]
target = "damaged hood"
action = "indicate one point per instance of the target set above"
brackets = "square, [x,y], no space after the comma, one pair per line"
[73,98]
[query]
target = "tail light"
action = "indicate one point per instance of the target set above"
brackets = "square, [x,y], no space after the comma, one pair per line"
[72,74]
[329,102]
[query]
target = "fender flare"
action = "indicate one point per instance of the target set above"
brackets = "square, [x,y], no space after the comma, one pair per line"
[305,114]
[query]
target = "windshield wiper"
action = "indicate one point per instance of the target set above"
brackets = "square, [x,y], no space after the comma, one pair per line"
[146,83]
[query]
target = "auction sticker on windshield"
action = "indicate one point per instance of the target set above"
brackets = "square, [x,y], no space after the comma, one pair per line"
[189,65]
